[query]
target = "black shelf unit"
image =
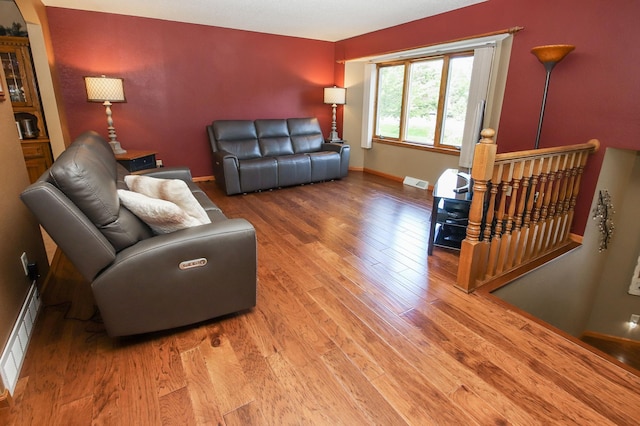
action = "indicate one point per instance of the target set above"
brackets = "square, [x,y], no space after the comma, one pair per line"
[451,223]
[450,210]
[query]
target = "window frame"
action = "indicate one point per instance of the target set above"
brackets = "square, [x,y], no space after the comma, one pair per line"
[442,98]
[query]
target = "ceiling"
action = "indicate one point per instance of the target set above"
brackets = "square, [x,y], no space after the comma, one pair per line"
[329,20]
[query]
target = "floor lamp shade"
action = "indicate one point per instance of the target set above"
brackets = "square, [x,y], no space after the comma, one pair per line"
[107,90]
[334,96]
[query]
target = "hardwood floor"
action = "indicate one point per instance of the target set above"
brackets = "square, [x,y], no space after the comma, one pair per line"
[354,325]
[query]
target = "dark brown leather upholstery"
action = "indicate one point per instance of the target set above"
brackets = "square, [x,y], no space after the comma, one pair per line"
[262,154]
[136,277]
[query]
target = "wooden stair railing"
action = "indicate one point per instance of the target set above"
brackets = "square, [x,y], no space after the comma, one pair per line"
[522,207]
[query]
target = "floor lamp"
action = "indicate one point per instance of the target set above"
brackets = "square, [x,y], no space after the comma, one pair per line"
[334,96]
[107,90]
[549,56]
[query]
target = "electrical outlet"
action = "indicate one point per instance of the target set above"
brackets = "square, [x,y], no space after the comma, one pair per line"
[159,163]
[25,263]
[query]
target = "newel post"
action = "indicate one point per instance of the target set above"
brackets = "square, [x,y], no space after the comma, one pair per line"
[471,250]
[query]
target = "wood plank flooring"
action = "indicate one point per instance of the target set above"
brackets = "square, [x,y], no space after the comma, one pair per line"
[354,325]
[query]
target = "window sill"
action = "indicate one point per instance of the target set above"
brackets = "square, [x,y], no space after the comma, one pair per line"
[409,145]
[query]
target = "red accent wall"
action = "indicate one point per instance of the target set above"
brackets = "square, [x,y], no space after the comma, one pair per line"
[179,77]
[593,93]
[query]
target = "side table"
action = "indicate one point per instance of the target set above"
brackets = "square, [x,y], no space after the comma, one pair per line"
[134,160]
[450,211]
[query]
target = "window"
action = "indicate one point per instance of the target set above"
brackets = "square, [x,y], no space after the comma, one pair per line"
[486,57]
[424,100]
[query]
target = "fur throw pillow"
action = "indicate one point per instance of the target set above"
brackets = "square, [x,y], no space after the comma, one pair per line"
[173,190]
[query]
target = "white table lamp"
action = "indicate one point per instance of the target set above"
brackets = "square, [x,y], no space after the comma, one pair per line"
[107,90]
[334,96]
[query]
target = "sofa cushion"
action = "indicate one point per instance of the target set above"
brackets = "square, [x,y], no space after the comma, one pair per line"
[325,165]
[293,169]
[173,190]
[86,173]
[259,173]
[161,215]
[306,135]
[237,137]
[273,137]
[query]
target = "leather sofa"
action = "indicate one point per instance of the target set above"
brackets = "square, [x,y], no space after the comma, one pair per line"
[251,156]
[142,281]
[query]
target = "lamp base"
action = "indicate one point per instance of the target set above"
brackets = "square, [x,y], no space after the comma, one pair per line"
[117,149]
[333,136]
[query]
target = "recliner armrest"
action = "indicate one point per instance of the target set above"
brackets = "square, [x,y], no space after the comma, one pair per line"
[182,173]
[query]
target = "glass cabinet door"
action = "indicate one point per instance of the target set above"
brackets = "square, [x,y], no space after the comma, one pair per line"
[13,63]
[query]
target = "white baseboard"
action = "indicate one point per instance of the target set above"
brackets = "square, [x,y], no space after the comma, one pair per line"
[16,348]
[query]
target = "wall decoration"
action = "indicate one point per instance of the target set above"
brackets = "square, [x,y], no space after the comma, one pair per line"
[603,213]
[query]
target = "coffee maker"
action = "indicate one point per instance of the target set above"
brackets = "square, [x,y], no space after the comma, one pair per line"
[28,124]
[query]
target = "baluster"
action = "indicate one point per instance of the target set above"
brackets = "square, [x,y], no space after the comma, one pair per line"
[539,197]
[557,203]
[529,184]
[506,252]
[507,215]
[576,184]
[570,176]
[491,206]
[496,239]
[490,215]
[544,211]
[554,186]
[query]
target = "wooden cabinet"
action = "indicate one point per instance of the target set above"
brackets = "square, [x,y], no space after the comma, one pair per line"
[37,157]
[22,90]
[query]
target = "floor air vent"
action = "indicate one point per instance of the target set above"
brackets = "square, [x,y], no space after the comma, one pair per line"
[418,183]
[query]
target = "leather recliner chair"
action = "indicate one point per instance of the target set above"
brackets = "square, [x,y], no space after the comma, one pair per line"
[139,280]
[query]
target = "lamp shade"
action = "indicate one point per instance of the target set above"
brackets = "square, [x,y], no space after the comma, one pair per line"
[553,52]
[102,89]
[335,95]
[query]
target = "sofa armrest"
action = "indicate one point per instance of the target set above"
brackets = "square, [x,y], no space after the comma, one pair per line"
[183,277]
[344,150]
[226,171]
[225,155]
[182,173]
[336,147]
